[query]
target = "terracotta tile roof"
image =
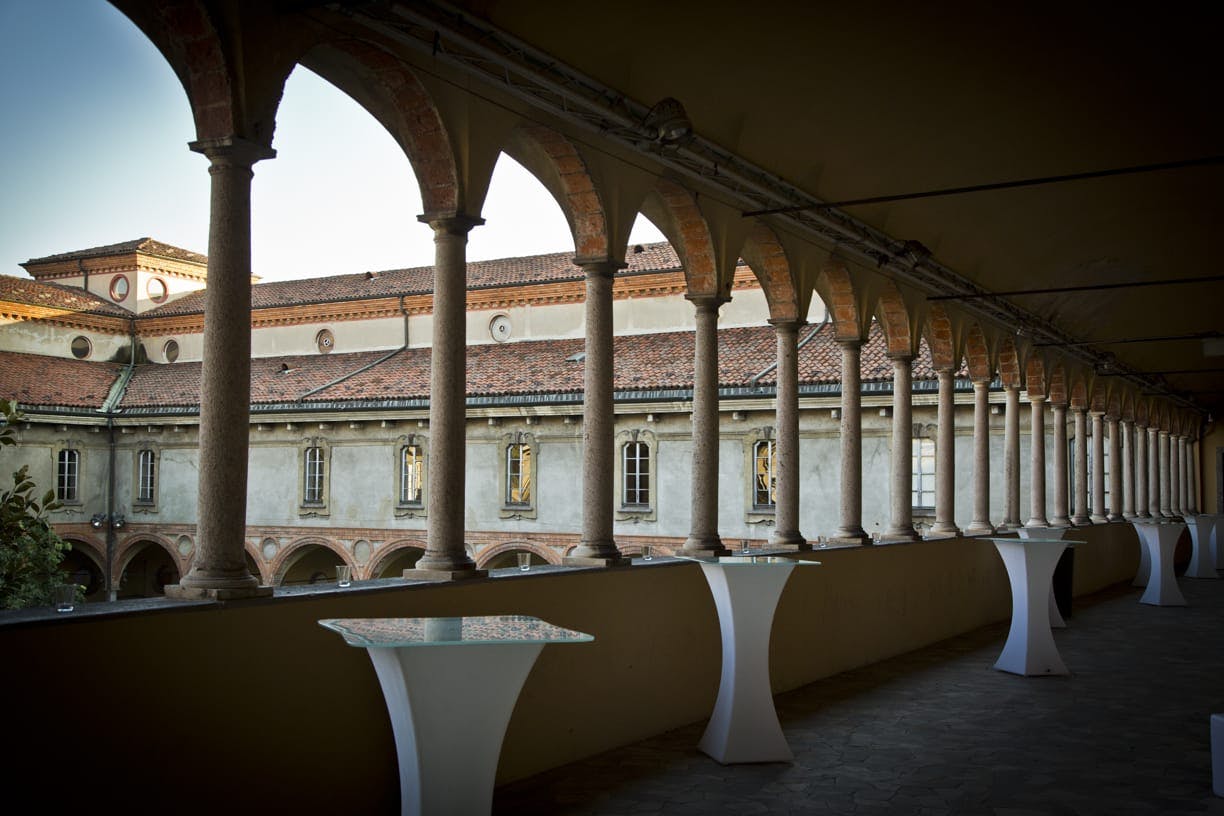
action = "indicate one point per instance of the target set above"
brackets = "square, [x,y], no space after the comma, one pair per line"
[55,296]
[33,379]
[643,362]
[145,245]
[556,266]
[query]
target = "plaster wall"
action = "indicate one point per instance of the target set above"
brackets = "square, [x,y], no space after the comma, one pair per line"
[350,335]
[34,337]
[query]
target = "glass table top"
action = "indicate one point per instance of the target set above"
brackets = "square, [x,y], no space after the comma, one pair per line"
[1010,540]
[741,560]
[466,631]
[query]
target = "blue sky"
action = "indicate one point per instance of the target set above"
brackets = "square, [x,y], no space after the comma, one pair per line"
[93,150]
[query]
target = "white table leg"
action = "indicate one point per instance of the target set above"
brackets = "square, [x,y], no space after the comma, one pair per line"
[744,726]
[1030,648]
[1202,560]
[449,708]
[1144,574]
[1162,589]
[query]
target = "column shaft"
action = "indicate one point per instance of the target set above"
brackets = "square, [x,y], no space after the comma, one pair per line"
[1128,468]
[1192,480]
[1183,459]
[1141,472]
[945,456]
[1081,468]
[1153,463]
[1098,468]
[1061,517]
[981,460]
[786,453]
[1011,459]
[703,530]
[1037,487]
[445,552]
[218,567]
[1174,476]
[901,525]
[851,444]
[1166,506]
[1116,467]
[598,545]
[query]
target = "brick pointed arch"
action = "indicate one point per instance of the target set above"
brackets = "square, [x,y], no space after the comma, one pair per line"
[1010,371]
[546,553]
[386,87]
[767,259]
[390,551]
[979,356]
[1056,384]
[555,161]
[292,552]
[896,321]
[845,300]
[1035,377]
[941,339]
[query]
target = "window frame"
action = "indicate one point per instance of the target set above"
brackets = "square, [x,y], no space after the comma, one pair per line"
[142,503]
[770,446]
[526,442]
[317,505]
[647,511]
[755,513]
[416,508]
[926,451]
[65,452]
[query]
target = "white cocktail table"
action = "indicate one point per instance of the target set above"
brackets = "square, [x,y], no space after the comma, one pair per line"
[1160,538]
[1202,559]
[1030,649]
[1053,534]
[450,685]
[744,726]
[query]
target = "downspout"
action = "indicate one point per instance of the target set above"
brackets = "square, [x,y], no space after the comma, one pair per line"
[824,322]
[108,409]
[368,365]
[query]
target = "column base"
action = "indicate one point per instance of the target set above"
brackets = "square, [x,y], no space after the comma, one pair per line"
[596,561]
[1099,519]
[1114,518]
[1008,527]
[443,574]
[703,547]
[189,593]
[1145,514]
[848,535]
[1129,516]
[979,528]
[945,528]
[900,536]
[1038,522]
[1081,521]
[788,540]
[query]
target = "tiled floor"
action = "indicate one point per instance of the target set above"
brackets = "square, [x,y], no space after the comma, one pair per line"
[938,731]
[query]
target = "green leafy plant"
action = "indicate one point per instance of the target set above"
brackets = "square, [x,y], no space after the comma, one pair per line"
[30,551]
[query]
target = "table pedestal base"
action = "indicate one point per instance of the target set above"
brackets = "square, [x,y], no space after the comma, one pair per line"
[744,726]
[1030,648]
[1161,541]
[1202,559]
[449,710]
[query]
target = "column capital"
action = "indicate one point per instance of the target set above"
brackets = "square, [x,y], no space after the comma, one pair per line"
[791,324]
[451,223]
[902,357]
[707,303]
[1036,398]
[232,151]
[599,267]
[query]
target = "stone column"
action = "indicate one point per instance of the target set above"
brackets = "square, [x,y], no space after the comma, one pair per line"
[1128,469]
[901,525]
[1098,468]
[1011,460]
[1081,468]
[703,537]
[1116,467]
[1141,471]
[1192,473]
[1061,505]
[218,568]
[1184,459]
[851,445]
[981,460]
[1166,507]
[945,456]
[1174,477]
[786,452]
[1037,487]
[598,546]
[1153,463]
[445,555]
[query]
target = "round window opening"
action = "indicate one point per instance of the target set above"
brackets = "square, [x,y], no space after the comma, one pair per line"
[499,328]
[171,350]
[325,340]
[156,289]
[118,288]
[81,347]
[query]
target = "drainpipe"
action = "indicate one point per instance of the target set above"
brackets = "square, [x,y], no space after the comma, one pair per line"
[367,366]
[108,409]
[824,322]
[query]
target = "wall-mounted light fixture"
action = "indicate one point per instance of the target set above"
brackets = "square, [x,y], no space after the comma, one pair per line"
[100,520]
[667,123]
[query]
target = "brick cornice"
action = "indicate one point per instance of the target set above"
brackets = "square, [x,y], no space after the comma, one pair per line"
[105,324]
